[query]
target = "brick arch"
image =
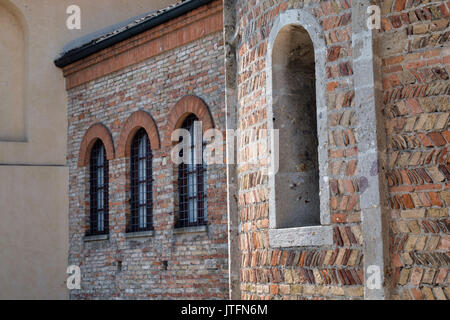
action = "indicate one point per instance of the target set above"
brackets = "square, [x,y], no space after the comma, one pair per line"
[183,108]
[97,131]
[139,119]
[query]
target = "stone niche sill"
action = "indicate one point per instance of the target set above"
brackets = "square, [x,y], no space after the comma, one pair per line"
[199,229]
[141,234]
[301,237]
[100,237]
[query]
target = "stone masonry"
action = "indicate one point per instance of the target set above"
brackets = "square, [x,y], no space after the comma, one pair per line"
[167,265]
[334,271]
[383,108]
[412,46]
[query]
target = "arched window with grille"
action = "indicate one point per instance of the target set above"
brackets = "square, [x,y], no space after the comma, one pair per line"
[141,217]
[99,180]
[192,181]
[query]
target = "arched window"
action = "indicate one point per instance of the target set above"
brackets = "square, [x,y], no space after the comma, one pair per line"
[99,180]
[192,181]
[141,217]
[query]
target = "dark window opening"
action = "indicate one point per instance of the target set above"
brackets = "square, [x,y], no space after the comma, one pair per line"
[99,180]
[141,217]
[192,183]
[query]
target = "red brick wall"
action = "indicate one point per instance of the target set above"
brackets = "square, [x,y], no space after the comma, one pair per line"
[111,85]
[414,45]
[197,264]
[334,271]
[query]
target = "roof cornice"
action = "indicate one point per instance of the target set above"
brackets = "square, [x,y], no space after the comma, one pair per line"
[92,47]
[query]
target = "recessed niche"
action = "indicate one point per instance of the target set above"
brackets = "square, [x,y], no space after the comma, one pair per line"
[12,74]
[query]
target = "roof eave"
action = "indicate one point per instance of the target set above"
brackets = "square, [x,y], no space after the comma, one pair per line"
[91,48]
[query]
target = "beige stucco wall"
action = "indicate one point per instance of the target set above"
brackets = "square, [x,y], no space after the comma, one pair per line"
[33,173]
[33,232]
[12,77]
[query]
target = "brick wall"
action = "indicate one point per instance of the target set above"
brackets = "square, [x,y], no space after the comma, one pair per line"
[414,46]
[111,85]
[120,267]
[334,271]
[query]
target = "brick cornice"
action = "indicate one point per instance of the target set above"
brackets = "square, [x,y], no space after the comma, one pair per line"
[180,31]
[97,131]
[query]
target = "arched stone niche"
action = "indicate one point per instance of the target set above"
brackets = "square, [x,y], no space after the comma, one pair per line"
[299,197]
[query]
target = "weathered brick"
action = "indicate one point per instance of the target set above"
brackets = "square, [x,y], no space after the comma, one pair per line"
[415,79]
[437,213]
[152,267]
[411,214]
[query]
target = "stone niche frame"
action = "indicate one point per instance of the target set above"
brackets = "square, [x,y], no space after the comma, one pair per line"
[311,235]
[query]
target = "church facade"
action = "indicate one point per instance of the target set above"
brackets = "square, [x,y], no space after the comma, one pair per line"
[334,179]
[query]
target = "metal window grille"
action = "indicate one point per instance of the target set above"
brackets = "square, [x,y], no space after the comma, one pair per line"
[141,217]
[191,184]
[99,198]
